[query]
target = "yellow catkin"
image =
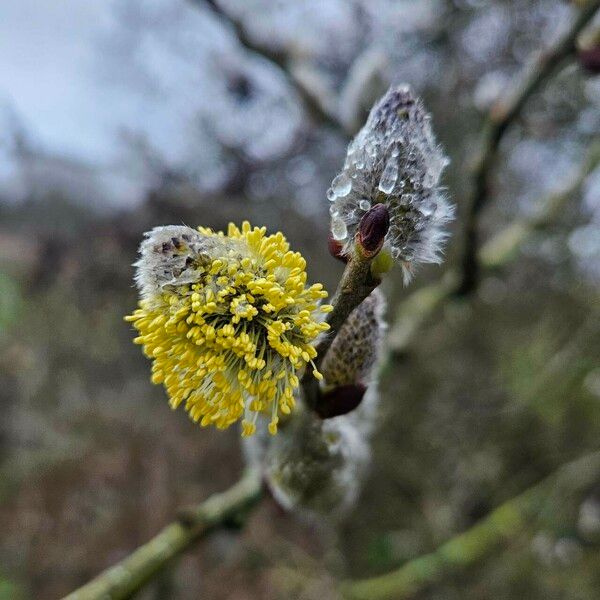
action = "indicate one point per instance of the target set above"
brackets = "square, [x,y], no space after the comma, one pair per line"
[229,345]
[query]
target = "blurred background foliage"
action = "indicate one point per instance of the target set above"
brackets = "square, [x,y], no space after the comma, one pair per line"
[116,117]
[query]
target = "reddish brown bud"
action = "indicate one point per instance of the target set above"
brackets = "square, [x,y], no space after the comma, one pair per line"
[589,58]
[335,249]
[372,229]
[340,400]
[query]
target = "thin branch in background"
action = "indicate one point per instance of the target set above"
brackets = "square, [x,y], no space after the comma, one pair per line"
[501,116]
[564,360]
[365,83]
[131,574]
[471,547]
[316,100]
[498,252]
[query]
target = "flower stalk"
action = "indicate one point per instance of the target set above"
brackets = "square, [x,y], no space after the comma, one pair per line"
[356,284]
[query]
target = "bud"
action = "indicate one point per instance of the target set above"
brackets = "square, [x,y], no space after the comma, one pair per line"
[394,161]
[340,400]
[372,229]
[336,249]
[588,50]
[589,58]
[355,350]
[313,466]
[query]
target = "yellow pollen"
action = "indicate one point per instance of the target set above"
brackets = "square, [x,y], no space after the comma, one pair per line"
[229,345]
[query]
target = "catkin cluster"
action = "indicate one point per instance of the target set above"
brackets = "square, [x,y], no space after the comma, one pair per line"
[228,321]
[394,160]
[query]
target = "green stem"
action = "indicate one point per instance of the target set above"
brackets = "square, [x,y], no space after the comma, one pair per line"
[474,545]
[355,285]
[128,576]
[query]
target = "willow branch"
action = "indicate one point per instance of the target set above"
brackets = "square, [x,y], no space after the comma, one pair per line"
[355,285]
[472,546]
[501,116]
[499,251]
[129,575]
[316,101]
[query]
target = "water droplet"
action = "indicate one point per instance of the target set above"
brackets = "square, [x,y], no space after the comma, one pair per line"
[364,204]
[339,231]
[388,177]
[331,196]
[427,208]
[341,185]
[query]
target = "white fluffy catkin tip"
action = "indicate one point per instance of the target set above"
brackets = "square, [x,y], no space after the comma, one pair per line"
[169,256]
[395,160]
[311,466]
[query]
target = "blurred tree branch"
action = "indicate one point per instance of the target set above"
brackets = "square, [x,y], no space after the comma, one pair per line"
[316,99]
[128,576]
[499,251]
[472,546]
[504,112]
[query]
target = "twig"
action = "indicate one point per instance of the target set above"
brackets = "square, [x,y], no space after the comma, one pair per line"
[317,104]
[503,114]
[500,250]
[129,575]
[563,360]
[364,83]
[474,545]
[355,285]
